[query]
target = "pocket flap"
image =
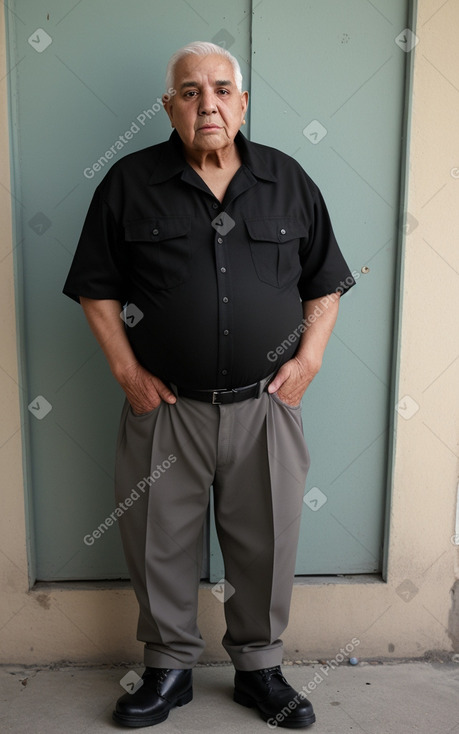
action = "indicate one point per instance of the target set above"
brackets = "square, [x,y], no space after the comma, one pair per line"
[157,230]
[275,229]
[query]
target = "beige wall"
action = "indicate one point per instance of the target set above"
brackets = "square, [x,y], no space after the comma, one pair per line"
[413,611]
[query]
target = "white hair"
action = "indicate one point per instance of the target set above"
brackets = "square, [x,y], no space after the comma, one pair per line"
[202,48]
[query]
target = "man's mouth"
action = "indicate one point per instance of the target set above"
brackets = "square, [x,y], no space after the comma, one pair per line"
[209,127]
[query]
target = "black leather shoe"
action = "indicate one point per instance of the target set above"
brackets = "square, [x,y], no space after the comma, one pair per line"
[278,703]
[162,689]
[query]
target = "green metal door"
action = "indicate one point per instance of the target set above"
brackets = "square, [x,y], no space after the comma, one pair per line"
[84,77]
[326,86]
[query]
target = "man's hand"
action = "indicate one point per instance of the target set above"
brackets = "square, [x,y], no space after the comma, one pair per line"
[292,380]
[297,374]
[143,390]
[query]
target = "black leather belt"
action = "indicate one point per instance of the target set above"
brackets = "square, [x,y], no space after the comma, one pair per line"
[224,397]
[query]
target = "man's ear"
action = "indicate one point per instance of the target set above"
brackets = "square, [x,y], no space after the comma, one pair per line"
[244,102]
[168,106]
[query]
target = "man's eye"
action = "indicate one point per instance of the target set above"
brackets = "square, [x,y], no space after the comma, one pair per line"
[190,94]
[223,91]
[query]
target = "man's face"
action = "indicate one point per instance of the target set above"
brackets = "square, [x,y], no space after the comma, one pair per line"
[207,109]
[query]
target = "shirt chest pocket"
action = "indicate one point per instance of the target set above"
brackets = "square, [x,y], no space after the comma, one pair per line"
[160,250]
[274,244]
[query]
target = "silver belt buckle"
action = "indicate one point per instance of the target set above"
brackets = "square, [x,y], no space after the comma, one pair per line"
[215,395]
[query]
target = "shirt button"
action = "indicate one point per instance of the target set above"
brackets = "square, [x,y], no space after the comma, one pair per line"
[214,205]
[226,332]
[224,372]
[220,241]
[223,270]
[283,231]
[225,299]
[155,231]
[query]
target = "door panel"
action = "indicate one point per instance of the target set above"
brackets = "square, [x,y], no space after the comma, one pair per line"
[83,74]
[328,89]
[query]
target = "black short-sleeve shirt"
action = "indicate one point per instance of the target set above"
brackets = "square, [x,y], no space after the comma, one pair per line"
[210,290]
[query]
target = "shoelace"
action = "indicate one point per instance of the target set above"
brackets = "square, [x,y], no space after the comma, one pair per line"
[158,673]
[163,674]
[268,673]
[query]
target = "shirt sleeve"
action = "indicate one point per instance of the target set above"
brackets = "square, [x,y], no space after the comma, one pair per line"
[324,269]
[97,267]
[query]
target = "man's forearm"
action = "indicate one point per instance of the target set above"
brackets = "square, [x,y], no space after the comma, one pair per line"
[319,317]
[107,326]
[143,390]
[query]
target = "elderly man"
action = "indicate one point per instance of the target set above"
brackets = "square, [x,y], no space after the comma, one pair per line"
[219,256]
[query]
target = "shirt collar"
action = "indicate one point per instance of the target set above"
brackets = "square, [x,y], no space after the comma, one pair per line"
[172,161]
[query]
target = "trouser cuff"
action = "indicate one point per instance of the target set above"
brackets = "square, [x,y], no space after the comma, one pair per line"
[256,660]
[174,661]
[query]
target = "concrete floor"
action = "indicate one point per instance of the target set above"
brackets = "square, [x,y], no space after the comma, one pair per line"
[371,699]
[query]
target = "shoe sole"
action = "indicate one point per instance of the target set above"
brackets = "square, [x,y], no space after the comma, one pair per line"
[138,721]
[245,700]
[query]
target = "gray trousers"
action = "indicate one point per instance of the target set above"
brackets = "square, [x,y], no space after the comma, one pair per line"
[255,456]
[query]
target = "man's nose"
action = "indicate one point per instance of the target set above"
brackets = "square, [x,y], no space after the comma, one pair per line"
[207,106]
